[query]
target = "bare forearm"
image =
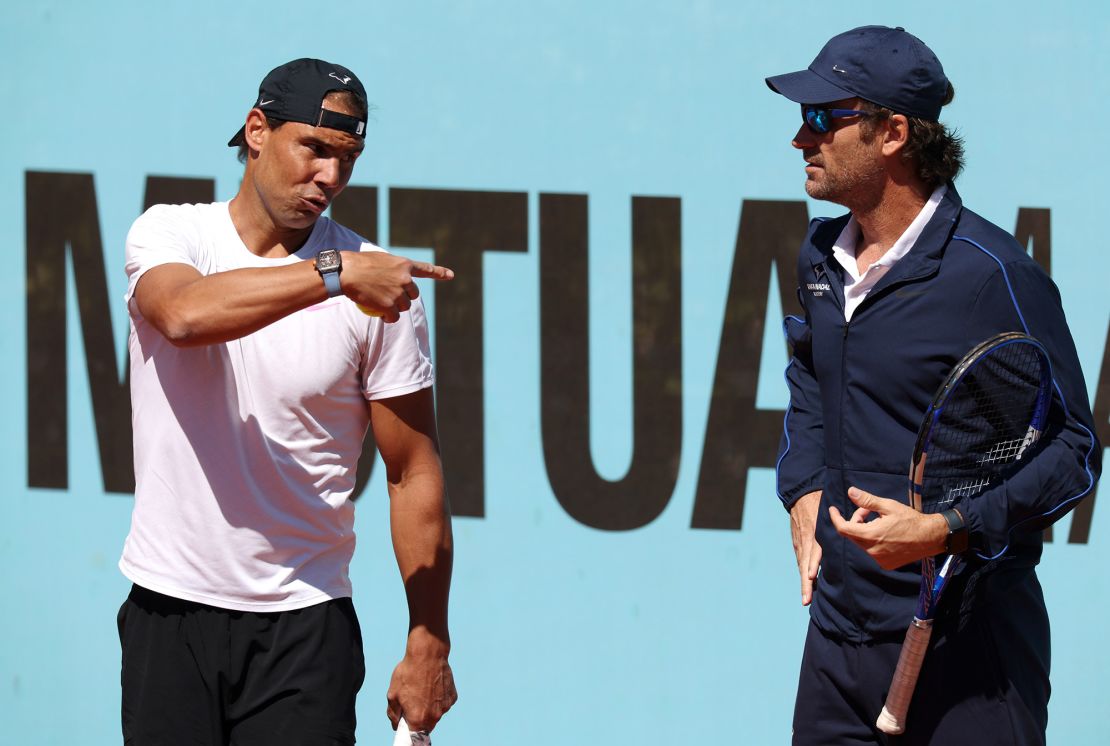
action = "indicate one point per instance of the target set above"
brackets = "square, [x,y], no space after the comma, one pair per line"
[422,687]
[205,310]
[421,527]
[190,309]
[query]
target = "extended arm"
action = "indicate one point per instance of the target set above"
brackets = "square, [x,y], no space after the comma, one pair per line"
[192,309]
[422,687]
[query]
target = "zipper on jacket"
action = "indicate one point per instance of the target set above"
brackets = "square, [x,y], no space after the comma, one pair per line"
[843,392]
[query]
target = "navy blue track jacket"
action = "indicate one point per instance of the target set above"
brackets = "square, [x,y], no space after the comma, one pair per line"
[859,389]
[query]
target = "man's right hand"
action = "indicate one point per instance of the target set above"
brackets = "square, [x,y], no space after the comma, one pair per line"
[803,527]
[191,309]
[382,283]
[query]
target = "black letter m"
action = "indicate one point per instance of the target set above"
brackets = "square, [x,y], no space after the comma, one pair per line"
[61,216]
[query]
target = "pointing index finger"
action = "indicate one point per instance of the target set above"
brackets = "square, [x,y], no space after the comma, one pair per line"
[433,271]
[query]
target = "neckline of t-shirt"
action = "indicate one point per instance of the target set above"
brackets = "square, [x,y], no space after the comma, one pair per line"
[307,251]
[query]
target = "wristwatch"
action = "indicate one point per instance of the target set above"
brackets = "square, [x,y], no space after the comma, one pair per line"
[956,543]
[329,263]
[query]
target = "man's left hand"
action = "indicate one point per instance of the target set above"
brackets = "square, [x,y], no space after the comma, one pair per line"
[896,535]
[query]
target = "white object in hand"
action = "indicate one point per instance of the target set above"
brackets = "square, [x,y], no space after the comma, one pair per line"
[406,737]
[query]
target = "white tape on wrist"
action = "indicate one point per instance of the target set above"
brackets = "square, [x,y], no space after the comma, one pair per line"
[406,737]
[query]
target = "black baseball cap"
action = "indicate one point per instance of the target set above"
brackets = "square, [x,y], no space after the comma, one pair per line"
[295,91]
[886,66]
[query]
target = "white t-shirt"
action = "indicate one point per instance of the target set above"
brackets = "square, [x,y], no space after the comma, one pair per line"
[245,451]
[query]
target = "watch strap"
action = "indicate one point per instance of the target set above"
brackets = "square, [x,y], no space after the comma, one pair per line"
[956,543]
[331,282]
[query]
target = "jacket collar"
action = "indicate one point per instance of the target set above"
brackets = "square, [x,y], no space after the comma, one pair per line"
[922,260]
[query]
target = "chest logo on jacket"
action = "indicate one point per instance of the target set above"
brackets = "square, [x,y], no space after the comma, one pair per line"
[818,288]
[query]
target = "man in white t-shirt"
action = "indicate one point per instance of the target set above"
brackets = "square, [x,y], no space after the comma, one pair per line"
[265,339]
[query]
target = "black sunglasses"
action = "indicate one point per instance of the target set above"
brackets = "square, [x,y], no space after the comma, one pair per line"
[819,119]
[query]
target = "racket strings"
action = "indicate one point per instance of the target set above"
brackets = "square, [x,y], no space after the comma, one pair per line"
[1009,450]
[983,426]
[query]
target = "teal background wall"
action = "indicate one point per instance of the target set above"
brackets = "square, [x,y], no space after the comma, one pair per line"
[562,633]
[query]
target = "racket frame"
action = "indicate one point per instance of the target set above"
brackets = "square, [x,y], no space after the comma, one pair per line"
[892,718]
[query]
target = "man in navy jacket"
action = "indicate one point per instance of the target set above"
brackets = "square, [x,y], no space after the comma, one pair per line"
[895,293]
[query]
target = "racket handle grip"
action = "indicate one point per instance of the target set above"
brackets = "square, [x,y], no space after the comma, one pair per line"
[892,720]
[406,737]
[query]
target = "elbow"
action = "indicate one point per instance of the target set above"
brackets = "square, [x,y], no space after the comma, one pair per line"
[1088,449]
[1095,462]
[182,339]
[179,329]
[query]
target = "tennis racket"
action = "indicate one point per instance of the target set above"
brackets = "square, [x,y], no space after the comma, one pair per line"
[992,407]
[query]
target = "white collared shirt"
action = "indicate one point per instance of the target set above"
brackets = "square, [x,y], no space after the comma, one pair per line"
[857,286]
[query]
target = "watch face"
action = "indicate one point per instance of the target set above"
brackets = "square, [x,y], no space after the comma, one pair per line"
[328,261]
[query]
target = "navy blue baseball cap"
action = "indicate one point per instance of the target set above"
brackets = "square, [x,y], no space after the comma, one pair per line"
[295,91]
[886,66]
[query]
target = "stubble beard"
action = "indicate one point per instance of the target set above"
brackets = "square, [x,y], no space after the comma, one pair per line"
[856,185]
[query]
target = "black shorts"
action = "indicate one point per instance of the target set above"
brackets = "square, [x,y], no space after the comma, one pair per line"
[197,674]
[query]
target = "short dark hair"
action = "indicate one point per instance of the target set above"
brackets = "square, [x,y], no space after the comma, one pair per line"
[935,151]
[348,99]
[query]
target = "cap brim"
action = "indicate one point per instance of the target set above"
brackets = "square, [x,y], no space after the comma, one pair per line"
[807,87]
[239,139]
